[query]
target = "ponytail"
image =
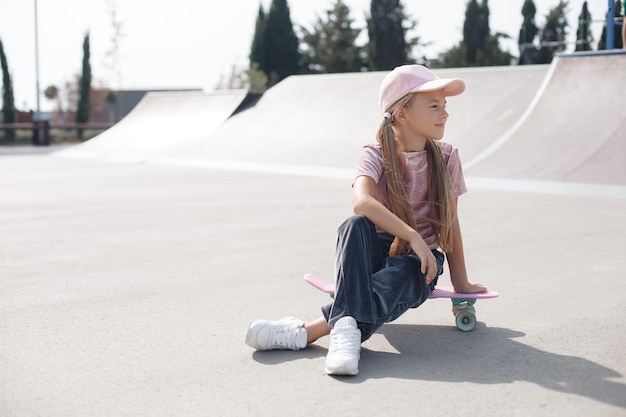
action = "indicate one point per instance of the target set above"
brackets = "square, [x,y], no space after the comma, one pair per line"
[442,206]
[442,211]
[395,163]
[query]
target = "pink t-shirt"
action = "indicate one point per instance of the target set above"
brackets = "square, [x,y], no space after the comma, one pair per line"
[415,181]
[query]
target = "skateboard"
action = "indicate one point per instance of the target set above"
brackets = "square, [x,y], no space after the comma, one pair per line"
[462,303]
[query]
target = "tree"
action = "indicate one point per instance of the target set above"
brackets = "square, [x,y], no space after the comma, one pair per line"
[55,95]
[8,101]
[331,46]
[492,54]
[113,53]
[617,40]
[583,34]
[387,27]
[257,50]
[51,92]
[280,43]
[479,47]
[68,100]
[257,79]
[475,29]
[83,107]
[252,79]
[527,34]
[552,36]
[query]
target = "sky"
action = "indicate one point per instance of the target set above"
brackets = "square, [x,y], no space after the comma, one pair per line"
[193,43]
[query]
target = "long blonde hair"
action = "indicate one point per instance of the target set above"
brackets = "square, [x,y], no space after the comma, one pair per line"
[442,210]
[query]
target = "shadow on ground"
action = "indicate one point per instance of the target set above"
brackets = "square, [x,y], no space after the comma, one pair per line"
[484,356]
[487,356]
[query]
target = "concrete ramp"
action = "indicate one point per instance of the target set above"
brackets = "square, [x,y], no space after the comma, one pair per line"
[576,132]
[314,120]
[493,102]
[317,123]
[161,121]
[557,123]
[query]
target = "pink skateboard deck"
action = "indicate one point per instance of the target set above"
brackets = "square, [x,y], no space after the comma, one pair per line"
[440,291]
[462,303]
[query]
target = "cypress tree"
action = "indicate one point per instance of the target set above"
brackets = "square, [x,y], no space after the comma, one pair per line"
[388,46]
[83,107]
[474,31]
[281,43]
[8,101]
[527,33]
[479,47]
[583,34]
[553,34]
[257,49]
[330,46]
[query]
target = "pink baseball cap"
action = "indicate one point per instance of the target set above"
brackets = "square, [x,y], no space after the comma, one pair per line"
[407,79]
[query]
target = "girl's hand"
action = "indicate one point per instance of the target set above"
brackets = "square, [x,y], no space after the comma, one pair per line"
[470,287]
[425,255]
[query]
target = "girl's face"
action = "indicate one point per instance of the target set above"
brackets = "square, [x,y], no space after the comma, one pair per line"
[425,117]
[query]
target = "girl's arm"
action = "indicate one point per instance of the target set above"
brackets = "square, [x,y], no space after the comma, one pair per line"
[364,202]
[456,263]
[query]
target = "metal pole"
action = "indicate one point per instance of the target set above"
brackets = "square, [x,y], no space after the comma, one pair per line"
[38,113]
[610,25]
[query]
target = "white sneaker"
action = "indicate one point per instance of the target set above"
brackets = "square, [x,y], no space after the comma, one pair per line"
[286,333]
[344,350]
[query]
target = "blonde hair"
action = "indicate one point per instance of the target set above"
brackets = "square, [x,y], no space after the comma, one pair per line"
[442,208]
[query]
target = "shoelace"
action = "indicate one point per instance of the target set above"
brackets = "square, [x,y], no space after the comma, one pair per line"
[345,340]
[284,336]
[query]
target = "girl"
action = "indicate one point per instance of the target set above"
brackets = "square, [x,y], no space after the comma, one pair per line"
[405,204]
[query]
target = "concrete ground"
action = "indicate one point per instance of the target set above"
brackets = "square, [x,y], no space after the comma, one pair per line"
[126,290]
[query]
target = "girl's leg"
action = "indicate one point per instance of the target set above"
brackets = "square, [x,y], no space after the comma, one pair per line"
[371,287]
[358,255]
[401,285]
[316,329]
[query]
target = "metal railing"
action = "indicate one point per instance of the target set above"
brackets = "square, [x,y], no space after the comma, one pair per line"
[41,129]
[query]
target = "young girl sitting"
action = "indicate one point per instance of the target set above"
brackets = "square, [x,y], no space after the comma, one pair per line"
[405,204]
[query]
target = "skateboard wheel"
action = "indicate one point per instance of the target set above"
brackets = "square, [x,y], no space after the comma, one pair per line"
[465,321]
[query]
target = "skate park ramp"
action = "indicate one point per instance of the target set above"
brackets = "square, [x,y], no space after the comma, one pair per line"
[159,122]
[316,124]
[556,126]
[575,132]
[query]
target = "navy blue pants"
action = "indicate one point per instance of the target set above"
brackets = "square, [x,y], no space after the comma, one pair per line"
[371,286]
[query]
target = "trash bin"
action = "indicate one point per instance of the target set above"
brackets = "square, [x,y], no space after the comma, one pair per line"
[41,133]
